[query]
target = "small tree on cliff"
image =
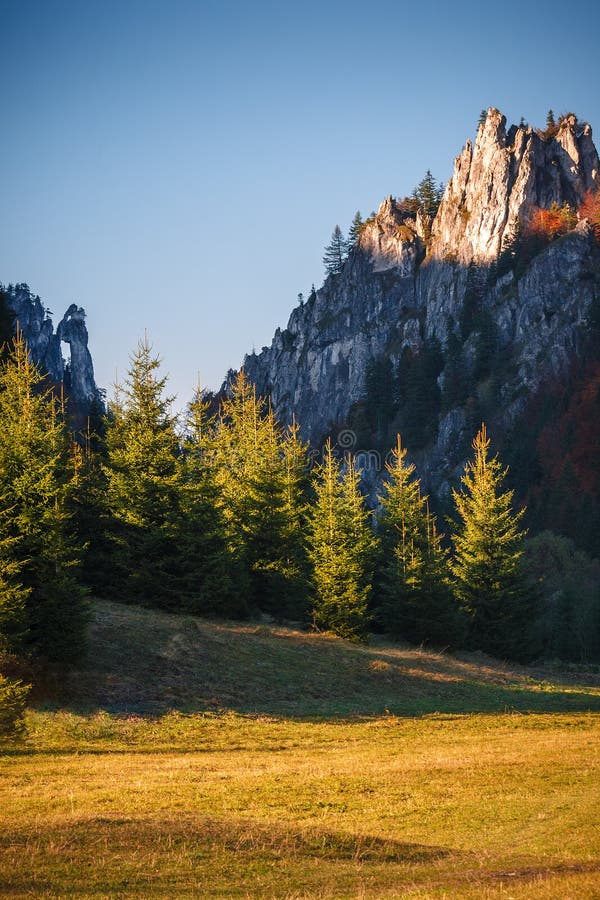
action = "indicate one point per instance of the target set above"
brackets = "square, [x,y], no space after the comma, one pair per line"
[335,253]
[489,579]
[354,231]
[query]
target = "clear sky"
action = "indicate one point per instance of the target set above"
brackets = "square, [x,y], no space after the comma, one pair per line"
[178,166]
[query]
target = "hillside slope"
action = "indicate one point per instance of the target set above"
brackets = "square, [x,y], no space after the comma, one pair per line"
[147,662]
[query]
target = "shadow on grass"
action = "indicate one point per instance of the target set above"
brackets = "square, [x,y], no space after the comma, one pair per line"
[213,835]
[147,663]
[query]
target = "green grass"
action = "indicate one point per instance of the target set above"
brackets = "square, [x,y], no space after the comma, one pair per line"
[190,759]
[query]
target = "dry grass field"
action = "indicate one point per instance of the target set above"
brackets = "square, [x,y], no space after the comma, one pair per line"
[194,759]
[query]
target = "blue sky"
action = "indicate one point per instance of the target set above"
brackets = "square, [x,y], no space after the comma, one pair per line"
[179,166]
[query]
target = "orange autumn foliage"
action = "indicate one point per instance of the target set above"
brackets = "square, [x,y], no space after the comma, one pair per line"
[551,223]
[590,210]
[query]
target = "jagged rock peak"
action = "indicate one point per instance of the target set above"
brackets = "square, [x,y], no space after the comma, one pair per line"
[44,344]
[497,183]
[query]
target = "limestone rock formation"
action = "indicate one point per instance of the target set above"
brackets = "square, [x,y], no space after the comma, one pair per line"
[411,284]
[44,343]
[497,183]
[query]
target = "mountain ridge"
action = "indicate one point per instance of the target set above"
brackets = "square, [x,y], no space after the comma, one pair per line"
[504,308]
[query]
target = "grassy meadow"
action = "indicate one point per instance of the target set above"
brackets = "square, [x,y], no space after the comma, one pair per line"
[197,759]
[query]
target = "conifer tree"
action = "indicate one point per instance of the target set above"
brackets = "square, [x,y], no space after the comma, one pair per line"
[341,550]
[144,485]
[354,231]
[428,194]
[208,569]
[489,579]
[413,575]
[254,470]
[335,253]
[42,608]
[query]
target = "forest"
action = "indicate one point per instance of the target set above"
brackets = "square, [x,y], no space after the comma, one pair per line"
[229,515]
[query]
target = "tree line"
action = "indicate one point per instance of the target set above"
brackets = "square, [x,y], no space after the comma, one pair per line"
[226,517]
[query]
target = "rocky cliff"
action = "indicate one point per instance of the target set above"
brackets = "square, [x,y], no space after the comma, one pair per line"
[34,320]
[492,312]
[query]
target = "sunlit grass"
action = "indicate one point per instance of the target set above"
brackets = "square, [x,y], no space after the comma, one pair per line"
[128,798]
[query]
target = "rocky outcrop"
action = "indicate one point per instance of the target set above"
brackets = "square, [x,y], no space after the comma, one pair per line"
[44,343]
[410,281]
[497,183]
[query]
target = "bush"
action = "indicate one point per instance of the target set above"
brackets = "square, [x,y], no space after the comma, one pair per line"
[551,223]
[13,696]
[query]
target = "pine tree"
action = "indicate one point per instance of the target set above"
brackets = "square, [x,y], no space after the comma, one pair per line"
[413,575]
[255,475]
[42,610]
[341,550]
[488,544]
[208,569]
[144,486]
[354,232]
[335,253]
[428,194]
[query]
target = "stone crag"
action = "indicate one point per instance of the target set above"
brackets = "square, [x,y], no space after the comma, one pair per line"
[77,374]
[410,281]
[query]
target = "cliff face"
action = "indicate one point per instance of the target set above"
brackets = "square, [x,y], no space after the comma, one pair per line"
[411,282]
[497,183]
[45,344]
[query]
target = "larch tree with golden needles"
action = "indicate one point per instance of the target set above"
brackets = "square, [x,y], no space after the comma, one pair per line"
[489,578]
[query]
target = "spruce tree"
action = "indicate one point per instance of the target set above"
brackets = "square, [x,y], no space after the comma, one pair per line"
[144,486]
[354,232]
[42,610]
[341,550]
[489,579]
[428,194]
[255,473]
[208,569]
[335,253]
[415,599]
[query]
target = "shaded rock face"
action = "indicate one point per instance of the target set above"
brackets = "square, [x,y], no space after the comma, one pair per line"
[409,280]
[45,344]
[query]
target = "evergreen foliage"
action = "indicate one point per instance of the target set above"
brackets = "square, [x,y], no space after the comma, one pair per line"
[489,579]
[335,253]
[341,549]
[7,321]
[207,569]
[414,593]
[569,583]
[42,609]
[144,486]
[13,696]
[428,194]
[354,231]
[258,472]
[419,395]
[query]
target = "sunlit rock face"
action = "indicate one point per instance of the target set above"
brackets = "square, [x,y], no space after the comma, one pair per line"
[44,343]
[497,183]
[408,280]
